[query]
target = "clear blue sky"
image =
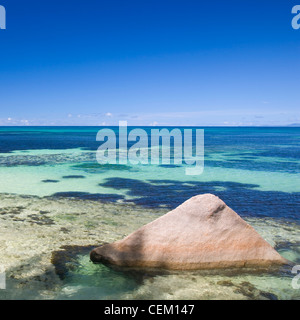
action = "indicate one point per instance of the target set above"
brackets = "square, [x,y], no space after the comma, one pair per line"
[160,62]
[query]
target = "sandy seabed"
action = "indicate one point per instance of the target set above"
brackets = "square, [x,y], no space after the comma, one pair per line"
[45,244]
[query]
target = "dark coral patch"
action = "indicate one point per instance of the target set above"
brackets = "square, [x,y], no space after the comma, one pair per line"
[88,196]
[50,181]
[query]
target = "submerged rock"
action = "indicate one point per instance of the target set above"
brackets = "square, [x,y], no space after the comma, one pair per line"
[201,233]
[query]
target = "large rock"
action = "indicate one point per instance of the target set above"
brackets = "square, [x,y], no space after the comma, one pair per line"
[202,233]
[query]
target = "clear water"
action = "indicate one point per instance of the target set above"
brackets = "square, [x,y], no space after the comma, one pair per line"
[56,203]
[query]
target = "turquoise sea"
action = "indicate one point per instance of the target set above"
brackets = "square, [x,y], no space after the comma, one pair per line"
[57,202]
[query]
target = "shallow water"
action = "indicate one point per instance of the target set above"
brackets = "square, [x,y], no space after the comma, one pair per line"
[56,203]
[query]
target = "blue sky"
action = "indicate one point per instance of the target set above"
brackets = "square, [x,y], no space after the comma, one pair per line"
[164,62]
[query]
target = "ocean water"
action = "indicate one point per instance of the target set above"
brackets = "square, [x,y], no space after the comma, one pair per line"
[57,202]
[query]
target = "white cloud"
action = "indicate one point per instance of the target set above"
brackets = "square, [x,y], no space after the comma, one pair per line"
[196,118]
